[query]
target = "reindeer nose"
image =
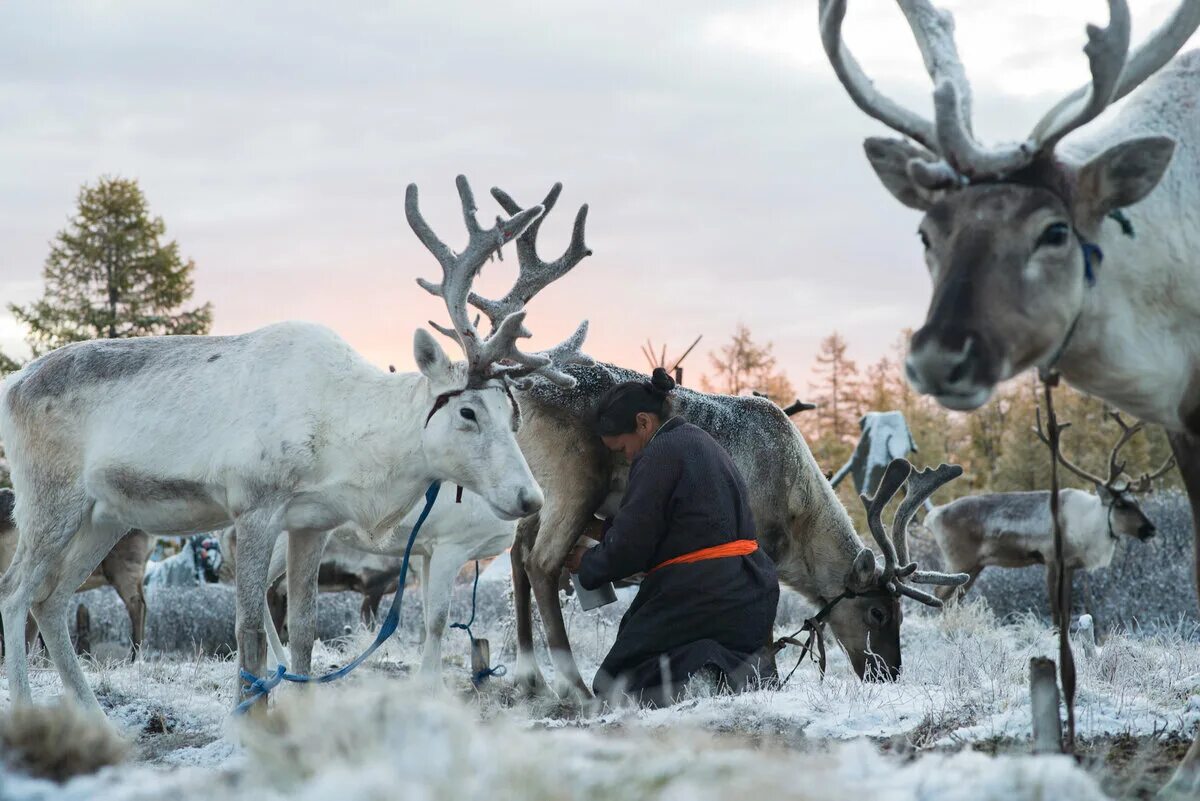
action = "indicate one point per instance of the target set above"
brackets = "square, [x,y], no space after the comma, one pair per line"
[530,501]
[951,364]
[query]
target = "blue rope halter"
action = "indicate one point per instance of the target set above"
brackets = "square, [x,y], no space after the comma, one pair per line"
[258,687]
[482,675]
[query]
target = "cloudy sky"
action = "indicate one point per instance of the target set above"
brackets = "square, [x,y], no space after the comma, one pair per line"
[721,159]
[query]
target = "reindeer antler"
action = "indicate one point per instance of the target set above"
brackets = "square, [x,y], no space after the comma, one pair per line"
[497,356]
[894,476]
[534,276]
[1128,432]
[921,485]
[1115,73]
[1146,482]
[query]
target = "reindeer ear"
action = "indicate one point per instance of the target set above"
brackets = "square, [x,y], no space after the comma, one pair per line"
[432,361]
[863,571]
[890,158]
[1120,176]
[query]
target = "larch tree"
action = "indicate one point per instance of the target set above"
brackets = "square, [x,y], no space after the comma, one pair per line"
[112,274]
[744,366]
[836,388]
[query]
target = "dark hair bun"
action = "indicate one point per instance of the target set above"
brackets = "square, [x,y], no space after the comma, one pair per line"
[661,381]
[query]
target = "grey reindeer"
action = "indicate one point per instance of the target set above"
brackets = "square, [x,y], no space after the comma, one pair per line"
[1014,529]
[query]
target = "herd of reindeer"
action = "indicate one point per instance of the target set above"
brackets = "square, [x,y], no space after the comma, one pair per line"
[1071,251]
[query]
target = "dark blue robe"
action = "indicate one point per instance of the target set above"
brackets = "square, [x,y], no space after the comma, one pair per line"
[716,615]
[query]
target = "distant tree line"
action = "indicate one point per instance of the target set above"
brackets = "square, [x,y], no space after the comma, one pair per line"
[996,445]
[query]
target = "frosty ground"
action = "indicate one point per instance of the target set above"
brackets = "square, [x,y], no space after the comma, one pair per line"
[955,726]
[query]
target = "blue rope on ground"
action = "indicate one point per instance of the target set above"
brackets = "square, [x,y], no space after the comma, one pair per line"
[498,670]
[257,687]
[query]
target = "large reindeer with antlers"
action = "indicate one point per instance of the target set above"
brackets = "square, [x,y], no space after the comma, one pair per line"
[1013,529]
[1032,246]
[800,521]
[282,429]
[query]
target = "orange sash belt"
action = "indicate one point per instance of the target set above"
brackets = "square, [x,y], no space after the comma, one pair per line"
[735,548]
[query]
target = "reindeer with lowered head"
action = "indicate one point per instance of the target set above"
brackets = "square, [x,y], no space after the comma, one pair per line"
[1074,249]
[1013,529]
[801,524]
[281,429]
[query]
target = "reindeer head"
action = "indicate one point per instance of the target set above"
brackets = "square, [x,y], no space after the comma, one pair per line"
[469,433]
[867,623]
[1007,230]
[1117,493]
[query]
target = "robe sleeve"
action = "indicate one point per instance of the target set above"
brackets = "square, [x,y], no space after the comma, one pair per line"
[638,527]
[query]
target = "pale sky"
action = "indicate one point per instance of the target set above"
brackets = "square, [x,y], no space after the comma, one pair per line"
[721,158]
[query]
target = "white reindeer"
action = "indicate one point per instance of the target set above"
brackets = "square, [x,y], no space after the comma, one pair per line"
[1027,243]
[1013,529]
[453,535]
[282,429]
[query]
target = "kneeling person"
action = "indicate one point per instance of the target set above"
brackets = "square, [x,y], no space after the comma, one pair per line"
[707,603]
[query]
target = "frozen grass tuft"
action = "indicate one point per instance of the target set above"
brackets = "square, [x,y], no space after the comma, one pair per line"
[59,741]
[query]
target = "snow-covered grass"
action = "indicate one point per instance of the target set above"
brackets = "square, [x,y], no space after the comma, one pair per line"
[379,734]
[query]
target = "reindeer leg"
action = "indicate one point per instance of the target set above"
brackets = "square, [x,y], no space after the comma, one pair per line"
[304,552]
[125,576]
[443,567]
[257,531]
[528,675]
[87,549]
[558,529]
[44,540]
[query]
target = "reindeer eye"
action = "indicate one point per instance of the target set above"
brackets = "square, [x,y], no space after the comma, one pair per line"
[877,616]
[1055,235]
[468,414]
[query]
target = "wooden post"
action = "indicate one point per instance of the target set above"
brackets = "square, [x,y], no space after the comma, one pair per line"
[1043,693]
[481,657]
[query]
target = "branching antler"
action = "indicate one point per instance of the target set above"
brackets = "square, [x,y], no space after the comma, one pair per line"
[1107,49]
[921,485]
[1115,73]
[1115,468]
[498,356]
[1146,482]
[534,276]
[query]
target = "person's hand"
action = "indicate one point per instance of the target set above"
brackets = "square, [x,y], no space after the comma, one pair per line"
[575,557]
[594,530]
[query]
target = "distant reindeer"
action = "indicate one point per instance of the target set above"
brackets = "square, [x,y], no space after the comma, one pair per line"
[281,429]
[885,437]
[1013,529]
[123,569]
[1030,245]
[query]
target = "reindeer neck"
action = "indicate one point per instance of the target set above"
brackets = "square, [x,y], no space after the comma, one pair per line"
[822,543]
[1137,341]
[383,428]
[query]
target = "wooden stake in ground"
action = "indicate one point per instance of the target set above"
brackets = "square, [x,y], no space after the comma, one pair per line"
[1043,695]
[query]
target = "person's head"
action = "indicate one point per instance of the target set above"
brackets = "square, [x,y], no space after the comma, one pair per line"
[629,414]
